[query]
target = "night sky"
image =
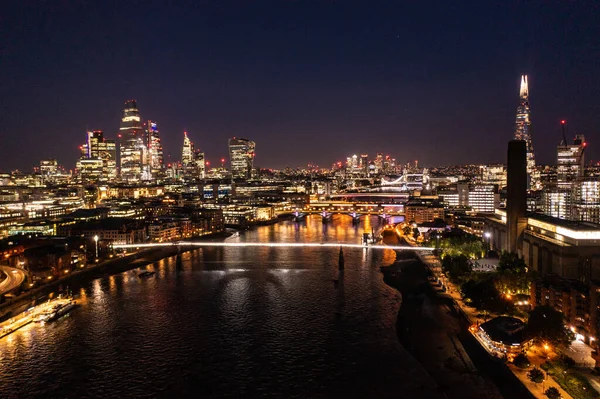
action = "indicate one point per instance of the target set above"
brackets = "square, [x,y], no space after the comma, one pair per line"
[309,81]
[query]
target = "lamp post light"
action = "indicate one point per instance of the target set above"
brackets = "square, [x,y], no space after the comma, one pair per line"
[487,235]
[96,240]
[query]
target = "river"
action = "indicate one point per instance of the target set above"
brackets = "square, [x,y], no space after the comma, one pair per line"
[230,322]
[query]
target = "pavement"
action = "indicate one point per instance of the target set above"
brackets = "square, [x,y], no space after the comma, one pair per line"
[14,279]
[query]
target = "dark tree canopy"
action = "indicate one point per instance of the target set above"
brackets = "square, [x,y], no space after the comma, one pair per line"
[535,375]
[511,261]
[547,324]
[485,296]
[521,361]
[457,267]
[552,393]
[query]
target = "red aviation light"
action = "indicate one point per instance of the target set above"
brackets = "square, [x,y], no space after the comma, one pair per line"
[585,144]
[563,121]
[222,160]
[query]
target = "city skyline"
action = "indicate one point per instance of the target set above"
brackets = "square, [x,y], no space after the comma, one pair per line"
[304,73]
[299,198]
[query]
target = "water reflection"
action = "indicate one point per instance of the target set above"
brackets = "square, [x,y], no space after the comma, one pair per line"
[235,321]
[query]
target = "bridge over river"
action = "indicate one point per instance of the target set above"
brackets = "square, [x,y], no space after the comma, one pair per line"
[269,245]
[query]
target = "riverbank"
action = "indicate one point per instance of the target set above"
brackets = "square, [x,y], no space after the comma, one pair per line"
[429,327]
[91,272]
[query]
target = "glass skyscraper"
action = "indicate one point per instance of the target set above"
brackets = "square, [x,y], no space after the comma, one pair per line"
[523,132]
[132,148]
[241,157]
[155,150]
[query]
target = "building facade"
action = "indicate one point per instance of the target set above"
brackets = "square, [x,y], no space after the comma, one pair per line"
[523,131]
[241,157]
[132,148]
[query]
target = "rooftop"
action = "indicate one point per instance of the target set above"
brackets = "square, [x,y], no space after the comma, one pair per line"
[505,329]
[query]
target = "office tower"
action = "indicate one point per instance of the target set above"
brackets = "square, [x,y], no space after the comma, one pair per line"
[131,144]
[586,200]
[48,167]
[98,161]
[570,162]
[199,164]
[241,157]
[187,152]
[364,163]
[378,162]
[559,199]
[155,150]
[523,132]
[556,202]
[494,174]
[516,197]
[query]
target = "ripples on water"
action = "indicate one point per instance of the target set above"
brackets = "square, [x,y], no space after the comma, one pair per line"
[231,322]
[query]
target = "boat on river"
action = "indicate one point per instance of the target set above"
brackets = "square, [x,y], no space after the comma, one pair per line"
[54,309]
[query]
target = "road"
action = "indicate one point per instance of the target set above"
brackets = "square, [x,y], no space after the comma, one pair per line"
[14,279]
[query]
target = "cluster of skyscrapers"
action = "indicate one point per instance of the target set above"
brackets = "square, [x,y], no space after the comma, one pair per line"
[565,191]
[138,155]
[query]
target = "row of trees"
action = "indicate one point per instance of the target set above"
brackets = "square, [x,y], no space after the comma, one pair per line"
[462,245]
[490,291]
[493,292]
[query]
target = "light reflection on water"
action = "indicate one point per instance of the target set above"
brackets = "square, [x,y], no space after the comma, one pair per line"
[229,322]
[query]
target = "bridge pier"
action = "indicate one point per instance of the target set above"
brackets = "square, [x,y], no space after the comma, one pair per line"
[298,216]
[178,261]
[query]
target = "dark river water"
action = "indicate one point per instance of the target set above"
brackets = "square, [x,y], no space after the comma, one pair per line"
[231,322]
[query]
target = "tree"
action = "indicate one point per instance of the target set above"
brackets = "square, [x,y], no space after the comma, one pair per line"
[485,296]
[521,361]
[407,230]
[535,375]
[513,275]
[552,393]
[457,267]
[511,261]
[547,324]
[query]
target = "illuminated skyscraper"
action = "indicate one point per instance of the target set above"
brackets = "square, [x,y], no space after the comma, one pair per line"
[570,162]
[155,150]
[132,148]
[241,157]
[187,153]
[523,132]
[199,164]
[98,161]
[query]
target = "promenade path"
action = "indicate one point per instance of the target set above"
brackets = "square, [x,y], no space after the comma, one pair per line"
[474,318]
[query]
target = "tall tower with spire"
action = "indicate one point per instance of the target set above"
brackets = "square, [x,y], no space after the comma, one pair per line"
[523,132]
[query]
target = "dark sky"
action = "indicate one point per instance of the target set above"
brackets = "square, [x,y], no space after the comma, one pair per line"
[309,81]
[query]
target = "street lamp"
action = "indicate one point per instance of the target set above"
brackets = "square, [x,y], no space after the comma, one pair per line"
[487,235]
[96,240]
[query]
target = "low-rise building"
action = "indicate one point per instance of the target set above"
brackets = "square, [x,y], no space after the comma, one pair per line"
[419,211]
